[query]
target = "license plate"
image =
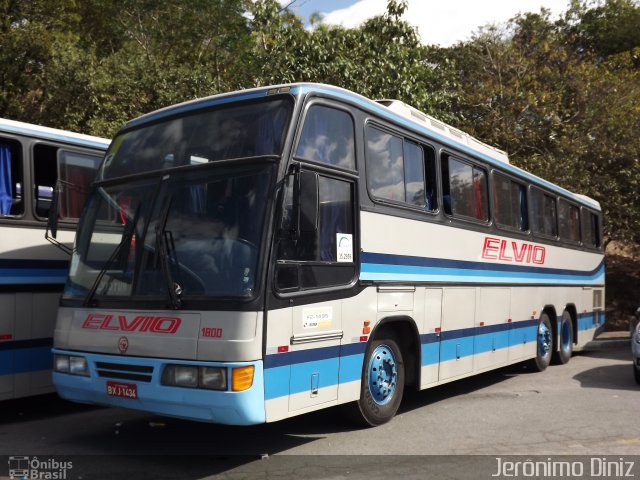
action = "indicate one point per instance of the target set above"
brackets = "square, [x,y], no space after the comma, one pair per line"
[122,390]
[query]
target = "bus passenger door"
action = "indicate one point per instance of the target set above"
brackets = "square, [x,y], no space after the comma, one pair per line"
[315,344]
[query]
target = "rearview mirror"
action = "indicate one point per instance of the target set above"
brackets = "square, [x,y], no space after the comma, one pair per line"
[308,197]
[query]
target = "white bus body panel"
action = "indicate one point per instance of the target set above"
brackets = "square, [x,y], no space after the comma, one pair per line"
[28,318]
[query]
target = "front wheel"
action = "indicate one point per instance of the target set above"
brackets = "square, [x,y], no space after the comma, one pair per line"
[382,382]
[565,340]
[544,345]
[636,374]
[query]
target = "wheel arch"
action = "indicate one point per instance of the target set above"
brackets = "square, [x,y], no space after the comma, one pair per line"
[406,330]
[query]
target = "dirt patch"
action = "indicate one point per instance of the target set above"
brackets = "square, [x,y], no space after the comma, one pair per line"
[622,283]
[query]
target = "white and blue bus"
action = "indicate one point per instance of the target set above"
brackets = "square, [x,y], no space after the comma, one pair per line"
[32,271]
[253,256]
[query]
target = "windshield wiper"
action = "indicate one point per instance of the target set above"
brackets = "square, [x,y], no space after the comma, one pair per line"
[127,235]
[165,250]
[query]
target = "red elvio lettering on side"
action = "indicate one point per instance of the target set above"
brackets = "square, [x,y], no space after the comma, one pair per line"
[140,323]
[513,251]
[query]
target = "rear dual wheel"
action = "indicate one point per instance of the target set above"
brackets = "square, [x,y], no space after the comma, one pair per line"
[565,340]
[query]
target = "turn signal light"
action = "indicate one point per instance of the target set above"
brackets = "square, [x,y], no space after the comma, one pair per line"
[242,378]
[366,330]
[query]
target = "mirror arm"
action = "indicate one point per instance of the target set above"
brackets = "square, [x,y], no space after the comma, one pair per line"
[51,232]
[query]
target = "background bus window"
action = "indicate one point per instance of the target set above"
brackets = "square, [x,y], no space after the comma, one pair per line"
[569,219]
[510,203]
[11,180]
[464,190]
[543,213]
[327,137]
[76,170]
[590,229]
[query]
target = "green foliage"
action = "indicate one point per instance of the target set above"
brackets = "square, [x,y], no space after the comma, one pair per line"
[567,114]
[562,98]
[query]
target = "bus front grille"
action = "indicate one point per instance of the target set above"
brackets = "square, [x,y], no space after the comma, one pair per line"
[138,373]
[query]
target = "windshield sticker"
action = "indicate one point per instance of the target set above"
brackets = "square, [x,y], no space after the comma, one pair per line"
[319,317]
[344,242]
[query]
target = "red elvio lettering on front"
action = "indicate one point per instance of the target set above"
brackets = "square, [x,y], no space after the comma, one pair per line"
[140,323]
[512,251]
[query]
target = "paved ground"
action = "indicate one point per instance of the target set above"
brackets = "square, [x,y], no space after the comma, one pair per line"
[588,407]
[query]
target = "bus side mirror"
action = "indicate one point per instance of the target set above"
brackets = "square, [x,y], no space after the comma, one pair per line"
[52,220]
[300,204]
[308,201]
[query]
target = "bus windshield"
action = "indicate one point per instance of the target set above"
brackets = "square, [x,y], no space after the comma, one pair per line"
[189,234]
[231,131]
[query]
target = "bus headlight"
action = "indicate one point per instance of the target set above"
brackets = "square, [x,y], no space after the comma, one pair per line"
[180,376]
[78,366]
[71,364]
[61,363]
[212,378]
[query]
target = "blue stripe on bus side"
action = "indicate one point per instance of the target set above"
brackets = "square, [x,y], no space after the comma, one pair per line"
[377,266]
[22,356]
[289,373]
[412,261]
[23,272]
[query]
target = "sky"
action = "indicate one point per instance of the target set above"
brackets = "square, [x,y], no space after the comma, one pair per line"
[441,22]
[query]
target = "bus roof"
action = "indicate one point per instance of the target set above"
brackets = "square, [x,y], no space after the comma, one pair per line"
[395,110]
[47,133]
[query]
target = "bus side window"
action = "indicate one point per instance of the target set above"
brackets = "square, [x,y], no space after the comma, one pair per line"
[400,170]
[464,190]
[543,213]
[569,220]
[328,137]
[510,203]
[77,170]
[11,181]
[590,229]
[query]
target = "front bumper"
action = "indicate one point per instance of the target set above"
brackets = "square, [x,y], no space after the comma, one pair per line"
[635,349]
[225,407]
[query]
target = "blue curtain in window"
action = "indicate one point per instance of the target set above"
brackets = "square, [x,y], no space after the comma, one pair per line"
[5,180]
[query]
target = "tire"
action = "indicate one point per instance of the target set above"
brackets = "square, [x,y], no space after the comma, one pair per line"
[544,345]
[379,400]
[565,340]
[636,374]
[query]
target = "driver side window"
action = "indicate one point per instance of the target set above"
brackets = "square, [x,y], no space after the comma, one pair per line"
[316,248]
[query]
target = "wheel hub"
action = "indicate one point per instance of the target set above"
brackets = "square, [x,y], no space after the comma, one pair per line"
[544,340]
[383,375]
